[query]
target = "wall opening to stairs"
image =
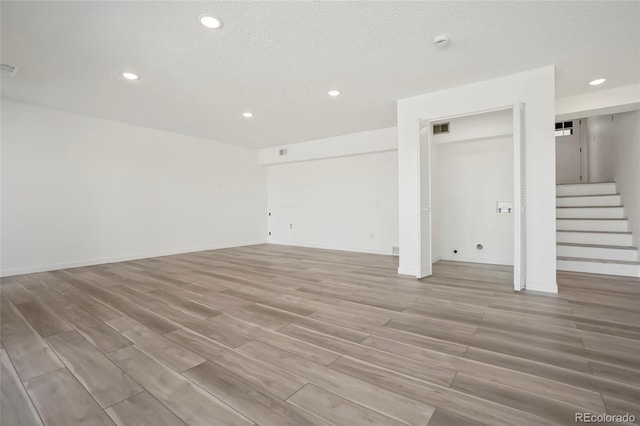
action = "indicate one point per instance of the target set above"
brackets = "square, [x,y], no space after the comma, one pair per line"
[598,222]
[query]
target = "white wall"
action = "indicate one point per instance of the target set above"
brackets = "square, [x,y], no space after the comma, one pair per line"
[348,202]
[536,89]
[598,101]
[472,169]
[600,149]
[626,133]
[379,140]
[78,190]
[614,155]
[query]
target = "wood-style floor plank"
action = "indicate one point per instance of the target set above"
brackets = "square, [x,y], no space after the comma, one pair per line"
[62,401]
[142,410]
[16,407]
[30,355]
[277,335]
[189,402]
[105,382]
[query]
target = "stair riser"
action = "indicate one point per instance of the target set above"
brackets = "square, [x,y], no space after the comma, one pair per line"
[591,238]
[597,253]
[599,268]
[593,225]
[591,212]
[606,200]
[585,189]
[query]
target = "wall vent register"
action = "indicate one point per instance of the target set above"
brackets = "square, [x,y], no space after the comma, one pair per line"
[440,128]
[282,152]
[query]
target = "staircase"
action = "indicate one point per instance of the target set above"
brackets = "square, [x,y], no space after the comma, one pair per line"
[592,231]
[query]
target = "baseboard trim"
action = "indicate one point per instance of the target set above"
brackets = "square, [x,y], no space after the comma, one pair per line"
[408,270]
[338,247]
[101,261]
[469,259]
[542,287]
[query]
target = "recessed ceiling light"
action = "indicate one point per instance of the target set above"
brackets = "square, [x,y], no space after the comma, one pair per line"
[247,114]
[211,22]
[130,76]
[597,81]
[334,93]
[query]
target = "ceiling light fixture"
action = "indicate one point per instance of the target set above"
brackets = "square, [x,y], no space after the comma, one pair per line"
[597,81]
[211,22]
[247,114]
[334,93]
[130,76]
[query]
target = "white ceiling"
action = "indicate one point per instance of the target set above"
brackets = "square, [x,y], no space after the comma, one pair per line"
[279,59]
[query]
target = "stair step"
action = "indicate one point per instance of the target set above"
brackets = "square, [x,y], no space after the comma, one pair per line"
[594,237]
[595,251]
[593,212]
[574,189]
[586,224]
[589,201]
[598,266]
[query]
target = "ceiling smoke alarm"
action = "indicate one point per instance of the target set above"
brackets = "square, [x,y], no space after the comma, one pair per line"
[441,40]
[9,69]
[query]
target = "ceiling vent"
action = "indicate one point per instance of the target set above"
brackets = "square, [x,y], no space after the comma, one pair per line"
[9,69]
[440,128]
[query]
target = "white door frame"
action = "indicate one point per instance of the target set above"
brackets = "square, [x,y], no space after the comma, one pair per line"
[424,195]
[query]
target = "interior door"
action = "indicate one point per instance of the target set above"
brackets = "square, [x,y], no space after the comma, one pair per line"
[519,197]
[424,200]
[281,225]
[568,153]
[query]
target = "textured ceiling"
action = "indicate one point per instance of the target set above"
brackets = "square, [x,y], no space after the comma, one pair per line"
[278,59]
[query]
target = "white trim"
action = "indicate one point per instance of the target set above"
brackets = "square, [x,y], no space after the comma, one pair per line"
[124,258]
[338,247]
[408,270]
[542,287]
[471,259]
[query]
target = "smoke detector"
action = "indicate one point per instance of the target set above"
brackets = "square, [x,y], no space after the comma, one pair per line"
[441,40]
[9,69]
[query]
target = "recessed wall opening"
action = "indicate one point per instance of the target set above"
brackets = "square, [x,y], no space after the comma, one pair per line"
[470,197]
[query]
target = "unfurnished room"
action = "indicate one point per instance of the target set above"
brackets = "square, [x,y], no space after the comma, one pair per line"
[268,213]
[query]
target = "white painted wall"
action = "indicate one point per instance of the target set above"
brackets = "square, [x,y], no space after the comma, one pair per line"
[626,133]
[614,155]
[600,149]
[472,170]
[536,89]
[598,101]
[346,203]
[78,190]
[380,140]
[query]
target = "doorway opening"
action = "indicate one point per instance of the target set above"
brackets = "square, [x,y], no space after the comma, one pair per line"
[472,190]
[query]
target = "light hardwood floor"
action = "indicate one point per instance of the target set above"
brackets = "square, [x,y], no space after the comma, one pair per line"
[276,335]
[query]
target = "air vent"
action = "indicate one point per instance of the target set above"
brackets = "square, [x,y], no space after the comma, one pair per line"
[440,128]
[9,69]
[282,152]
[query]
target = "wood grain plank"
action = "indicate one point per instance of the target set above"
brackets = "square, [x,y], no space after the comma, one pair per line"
[142,410]
[189,402]
[105,382]
[62,401]
[176,356]
[42,319]
[30,355]
[276,381]
[337,410]
[385,402]
[255,402]
[16,407]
